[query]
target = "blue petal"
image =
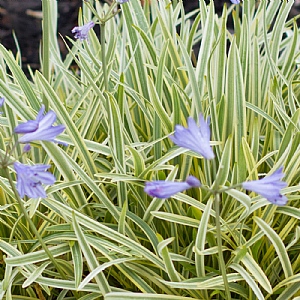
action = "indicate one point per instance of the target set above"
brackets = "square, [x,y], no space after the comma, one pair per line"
[27,127]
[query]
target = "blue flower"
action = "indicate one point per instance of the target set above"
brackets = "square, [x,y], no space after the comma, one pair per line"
[269,187]
[194,138]
[40,129]
[122,1]
[166,189]
[235,1]
[81,32]
[31,178]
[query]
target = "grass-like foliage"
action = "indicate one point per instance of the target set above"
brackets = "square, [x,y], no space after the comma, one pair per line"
[120,95]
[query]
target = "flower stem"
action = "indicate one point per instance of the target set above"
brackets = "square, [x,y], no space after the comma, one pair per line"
[227,188]
[219,243]
[32,226]
[103,56]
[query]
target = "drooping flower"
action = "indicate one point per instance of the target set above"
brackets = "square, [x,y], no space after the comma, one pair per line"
[31,178]
[194,138]
[269,187]
[40,129]
[235,1]
[81,32]
[166,189]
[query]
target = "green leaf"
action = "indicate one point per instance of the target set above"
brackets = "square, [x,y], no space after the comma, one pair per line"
[90,258]
[137,296]
[77,262]
[278,245]
[249,280]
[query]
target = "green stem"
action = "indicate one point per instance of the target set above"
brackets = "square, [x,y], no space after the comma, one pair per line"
[103,56]
[220,252]
[32,226]
[46,37]
[46,26]
[230,188]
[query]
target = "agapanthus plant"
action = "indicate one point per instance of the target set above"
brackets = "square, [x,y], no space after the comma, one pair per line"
[197,139]
[32,178]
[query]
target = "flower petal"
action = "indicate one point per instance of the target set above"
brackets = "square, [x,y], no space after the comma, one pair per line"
[49,118]
[27,127]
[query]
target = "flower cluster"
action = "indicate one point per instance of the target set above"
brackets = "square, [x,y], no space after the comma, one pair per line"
[31,177]
[197,139]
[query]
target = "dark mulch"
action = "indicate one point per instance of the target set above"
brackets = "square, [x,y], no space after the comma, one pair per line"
[24,18]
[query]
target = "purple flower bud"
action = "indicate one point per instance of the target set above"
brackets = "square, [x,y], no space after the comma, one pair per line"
[81,32]
[166,189]
[193,181]
[40,129]
[235,1]
[194,138]
[26,148]
[122,1]
[31,178]
[269,187]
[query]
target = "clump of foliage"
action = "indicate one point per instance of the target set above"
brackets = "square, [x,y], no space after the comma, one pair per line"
[120,96]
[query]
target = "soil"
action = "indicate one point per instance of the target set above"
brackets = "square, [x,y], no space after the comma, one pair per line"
[23,17]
